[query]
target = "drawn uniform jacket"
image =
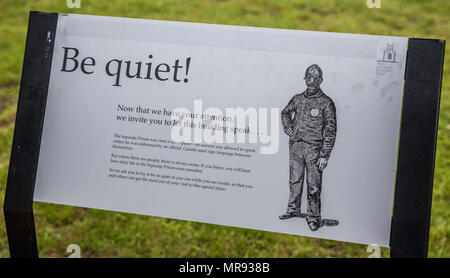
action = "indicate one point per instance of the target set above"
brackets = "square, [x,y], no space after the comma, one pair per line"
[312,119]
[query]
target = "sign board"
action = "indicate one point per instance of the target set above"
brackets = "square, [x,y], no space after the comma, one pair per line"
[279,130]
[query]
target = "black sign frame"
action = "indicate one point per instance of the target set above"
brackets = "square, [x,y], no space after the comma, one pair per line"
[415,166]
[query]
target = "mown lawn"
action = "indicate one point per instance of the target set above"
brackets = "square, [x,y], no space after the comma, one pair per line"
[109,234]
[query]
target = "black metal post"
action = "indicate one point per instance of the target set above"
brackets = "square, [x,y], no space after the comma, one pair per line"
[18,206]
[418,135]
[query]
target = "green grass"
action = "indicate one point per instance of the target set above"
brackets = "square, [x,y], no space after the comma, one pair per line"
[110,234]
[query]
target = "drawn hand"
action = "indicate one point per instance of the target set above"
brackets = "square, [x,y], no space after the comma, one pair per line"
[289,132]
[322,163]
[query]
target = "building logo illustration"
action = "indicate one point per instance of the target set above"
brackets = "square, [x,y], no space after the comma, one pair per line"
[389,54]
[387,58]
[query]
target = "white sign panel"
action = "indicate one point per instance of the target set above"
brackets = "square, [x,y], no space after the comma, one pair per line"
[277,130]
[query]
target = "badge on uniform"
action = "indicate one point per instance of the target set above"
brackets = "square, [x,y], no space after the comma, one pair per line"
[314,112]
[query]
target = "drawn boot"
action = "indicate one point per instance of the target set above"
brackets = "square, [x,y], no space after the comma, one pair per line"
[288,215]
[314,225]
[330,222]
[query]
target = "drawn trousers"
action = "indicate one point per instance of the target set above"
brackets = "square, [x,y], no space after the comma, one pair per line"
[303,159]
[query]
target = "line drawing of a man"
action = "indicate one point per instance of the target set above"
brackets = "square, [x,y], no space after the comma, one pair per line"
[309,120]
